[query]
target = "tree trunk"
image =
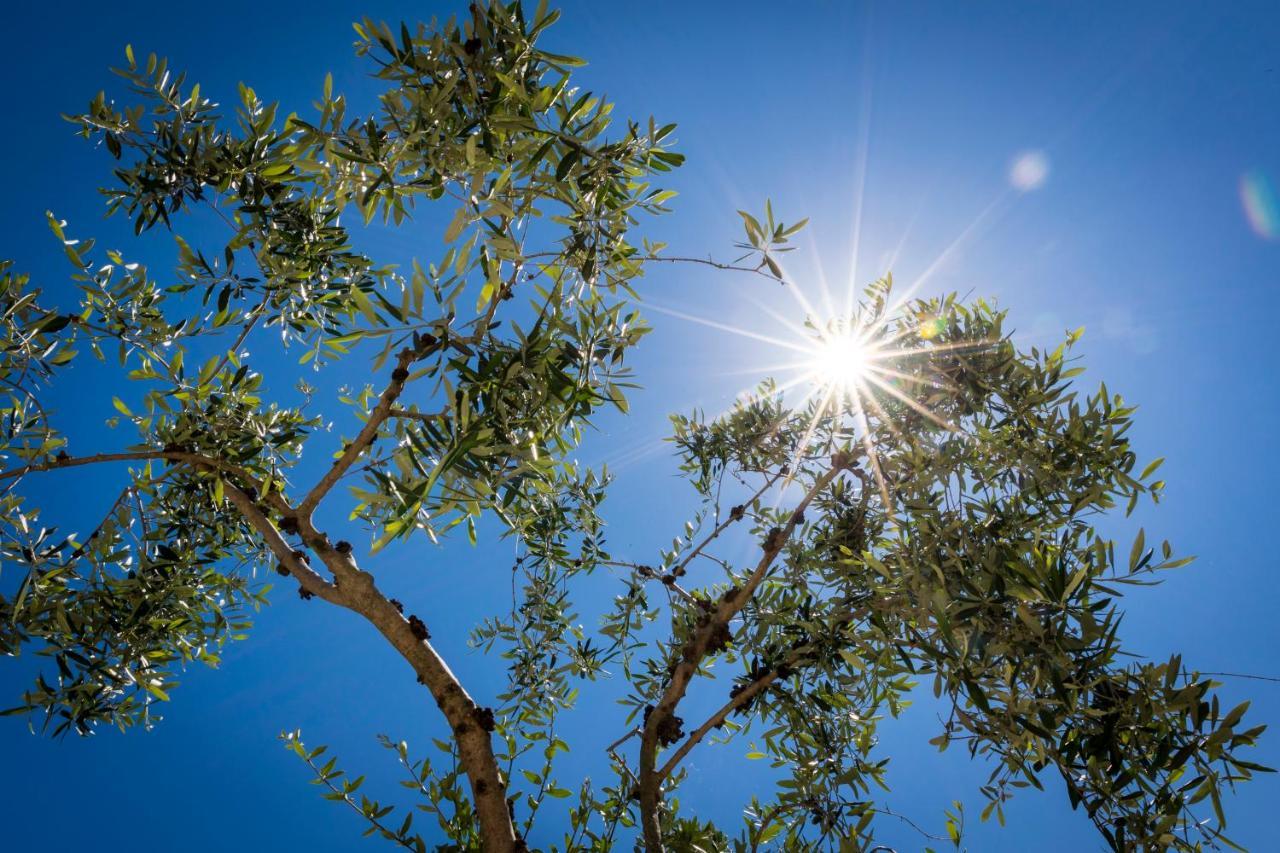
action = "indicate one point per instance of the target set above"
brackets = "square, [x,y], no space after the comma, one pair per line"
[471,725]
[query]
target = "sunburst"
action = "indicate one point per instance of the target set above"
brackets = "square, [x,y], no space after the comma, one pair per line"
[842,360]
[856,367]
[850,372]
[851,363]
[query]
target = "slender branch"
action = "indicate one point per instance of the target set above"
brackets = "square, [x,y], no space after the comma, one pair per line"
[485,322]
[693,653]
[346,797]
[743,698]
[75,461]
[115,505]
[245,331]
[189,457]
[1271,678]
[424,417]
[610,750]
[648,573]
[381,411]
[887,812]
[681,567]
[620,741]
[671,259]
[765,820]
[35,401]
[760,270]
[142,515]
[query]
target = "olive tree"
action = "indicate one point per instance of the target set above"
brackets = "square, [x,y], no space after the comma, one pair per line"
[934,524]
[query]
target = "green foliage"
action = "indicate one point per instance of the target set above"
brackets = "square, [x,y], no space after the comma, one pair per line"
[482,120]
[957,548]
[938,528]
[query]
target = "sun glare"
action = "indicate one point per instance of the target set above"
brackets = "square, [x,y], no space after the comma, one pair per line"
[858,372]
[841,361]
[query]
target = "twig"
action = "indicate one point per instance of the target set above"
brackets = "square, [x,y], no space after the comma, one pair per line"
[350,801]
[707,262]
[425,417]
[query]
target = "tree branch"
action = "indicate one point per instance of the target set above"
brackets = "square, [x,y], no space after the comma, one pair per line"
[345,796]
[424,417]
[744,697]
[706,262]
[355,590]
[681,567]
[379,414]
[276,500]
[471,725]
[692,655]
[292,560]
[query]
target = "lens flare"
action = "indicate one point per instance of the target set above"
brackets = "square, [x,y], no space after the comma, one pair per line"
[931,327]
[1261,206]
[1029,171]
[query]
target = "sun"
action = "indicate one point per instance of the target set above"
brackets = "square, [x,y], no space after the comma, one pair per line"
[857,372]
[841,360]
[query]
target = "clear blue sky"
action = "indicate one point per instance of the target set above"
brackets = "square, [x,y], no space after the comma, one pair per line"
[1159,127]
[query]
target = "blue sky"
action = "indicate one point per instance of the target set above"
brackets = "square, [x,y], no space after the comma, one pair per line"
[1145,120]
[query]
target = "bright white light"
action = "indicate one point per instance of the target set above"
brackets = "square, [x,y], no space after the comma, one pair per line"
[841,361]
[1029,171]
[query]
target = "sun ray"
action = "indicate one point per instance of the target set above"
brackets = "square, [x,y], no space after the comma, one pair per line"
[870,400]
[818,414]
[894,392]
[881,347]
[804,379]
[724,327]
[848,366]
[860,186]
[820,276]
[873,459]
[946,253]
[956,346]
[902,241]
[797,293]
[795,328]
[630,453]
[805,366]
[907,377]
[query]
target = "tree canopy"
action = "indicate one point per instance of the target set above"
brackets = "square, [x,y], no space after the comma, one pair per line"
[931,521]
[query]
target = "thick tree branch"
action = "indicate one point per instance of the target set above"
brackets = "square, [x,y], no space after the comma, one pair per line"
[355,590]
[76,461]
[292,560]
[471,725]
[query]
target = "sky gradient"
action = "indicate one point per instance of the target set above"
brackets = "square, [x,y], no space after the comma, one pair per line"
[1085,164]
